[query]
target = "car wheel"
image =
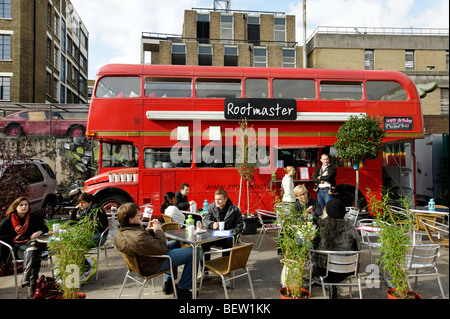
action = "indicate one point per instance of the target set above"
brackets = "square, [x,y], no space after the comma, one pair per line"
[76,131]
[14,130]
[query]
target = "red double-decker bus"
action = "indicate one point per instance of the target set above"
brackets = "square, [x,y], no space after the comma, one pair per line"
[177,124]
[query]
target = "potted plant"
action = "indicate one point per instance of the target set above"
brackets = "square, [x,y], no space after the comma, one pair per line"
[294,243]
[395,242]
[69,248]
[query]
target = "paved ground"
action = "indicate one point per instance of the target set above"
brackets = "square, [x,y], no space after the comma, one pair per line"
[265,270]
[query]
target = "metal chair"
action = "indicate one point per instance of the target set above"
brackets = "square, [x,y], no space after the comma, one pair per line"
[340,262]
[430,225]
[14,262]
[99,247]
[419,228]
[133,265]
[423,257]
[223,266]
[266,226]
[370,239]
[352,215]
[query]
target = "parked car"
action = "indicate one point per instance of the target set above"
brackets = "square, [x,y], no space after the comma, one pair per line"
[41,122]
[42,184]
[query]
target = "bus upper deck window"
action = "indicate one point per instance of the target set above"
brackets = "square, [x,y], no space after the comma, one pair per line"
[168,87]
[218,88]
[294,89]
[119,86]
[341,90]
[385,91]
[256,88]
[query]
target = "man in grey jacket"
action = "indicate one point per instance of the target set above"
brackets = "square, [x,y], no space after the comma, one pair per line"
[222,210]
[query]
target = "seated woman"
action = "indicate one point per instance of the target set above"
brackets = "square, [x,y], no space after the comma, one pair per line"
[20,229]
[336,234]
[86,207]
[135,240]
[168,208]
[304,203]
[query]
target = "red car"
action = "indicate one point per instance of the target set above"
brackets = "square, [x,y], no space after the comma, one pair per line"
[39,123]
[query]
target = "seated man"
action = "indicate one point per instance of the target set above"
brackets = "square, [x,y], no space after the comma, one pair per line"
[135,240]
[222,210]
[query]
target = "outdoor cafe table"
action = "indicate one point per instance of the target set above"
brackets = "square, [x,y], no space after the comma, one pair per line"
[425,210]
[195,241]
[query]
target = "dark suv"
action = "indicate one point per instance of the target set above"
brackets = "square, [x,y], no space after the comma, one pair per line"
[43,185]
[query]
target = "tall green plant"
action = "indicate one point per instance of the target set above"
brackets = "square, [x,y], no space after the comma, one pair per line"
[294,243]
[395,240]
[70,248]
[359,139]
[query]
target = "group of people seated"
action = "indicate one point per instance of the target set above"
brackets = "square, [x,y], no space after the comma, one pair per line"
[21,228]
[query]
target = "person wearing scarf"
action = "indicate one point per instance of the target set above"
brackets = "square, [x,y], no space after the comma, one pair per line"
[20,229]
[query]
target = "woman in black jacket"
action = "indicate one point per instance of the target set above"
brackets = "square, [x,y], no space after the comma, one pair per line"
[20,229]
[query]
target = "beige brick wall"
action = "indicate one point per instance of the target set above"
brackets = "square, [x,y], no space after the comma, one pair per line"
[240,28]
[290,28]
[274,56]
[389,59]
[218,54]
[266,28]
[214,26]
[165,52]
[424,58]
[431,103]
[190,24]
[191,53]
[336,59]
[244,55]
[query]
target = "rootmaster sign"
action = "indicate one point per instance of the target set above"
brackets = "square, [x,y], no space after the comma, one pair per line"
[260,109]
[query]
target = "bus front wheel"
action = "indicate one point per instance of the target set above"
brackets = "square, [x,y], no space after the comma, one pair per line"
[110,200]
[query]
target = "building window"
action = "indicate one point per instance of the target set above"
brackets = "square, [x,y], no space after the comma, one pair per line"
[369,61]
[260,57]
[231,56]
[280,30]
[179,54]
[226,29]
[409,60]
[62,94]
[5,89]
[55,88]
[253,30]
[288,58]
[5,9]
[48,84]
[204,55]
[5,47]
[49,16]
[56,58]
[444,101]
[203,28]
[56,29]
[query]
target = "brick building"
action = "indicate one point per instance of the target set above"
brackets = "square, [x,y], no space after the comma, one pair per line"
[224,37]
[43,52]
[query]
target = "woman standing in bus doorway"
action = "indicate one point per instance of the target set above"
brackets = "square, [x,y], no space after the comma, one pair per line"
[288,186]
[325,179]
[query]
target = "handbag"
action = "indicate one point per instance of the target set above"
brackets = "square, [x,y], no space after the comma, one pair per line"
[47,288]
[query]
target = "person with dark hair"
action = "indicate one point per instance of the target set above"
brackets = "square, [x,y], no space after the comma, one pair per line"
[325,179]
[168,208]
[20,229]
[86,207]
[336,234]
[135,240]
[182,202]
[222,210]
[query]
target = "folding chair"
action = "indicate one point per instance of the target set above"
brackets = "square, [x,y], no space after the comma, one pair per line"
[340,262]
[352,214]
[368,238]
[268,226]
[14,262]
[132,265]
[430,225]
[97,250]
[222,266]
[423,257]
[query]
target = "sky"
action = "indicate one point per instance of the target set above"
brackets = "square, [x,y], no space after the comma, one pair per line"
[115,26]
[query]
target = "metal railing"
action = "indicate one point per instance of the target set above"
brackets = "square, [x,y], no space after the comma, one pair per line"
[380,31]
